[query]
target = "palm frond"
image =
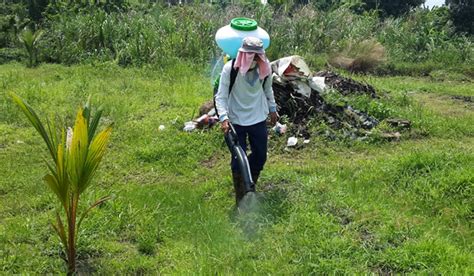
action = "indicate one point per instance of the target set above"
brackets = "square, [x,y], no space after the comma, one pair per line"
[59,229]
[77,153]
[76,157]
[96,152]
[36,36]
[36,122]
[94,123]
[86,109]
[52,132]
[27,38]
[63,179]
[53,184]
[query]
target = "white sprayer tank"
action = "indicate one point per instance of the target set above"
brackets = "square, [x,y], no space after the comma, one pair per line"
[229,38]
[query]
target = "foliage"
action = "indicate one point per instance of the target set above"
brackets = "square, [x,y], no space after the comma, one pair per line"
[461,15]
[132,38]
[151,33]
[391,7]
[11,54]
[326,5]
[76,155]
[426,35]
[36,9]
[13,18]
[55,7]
[311,32]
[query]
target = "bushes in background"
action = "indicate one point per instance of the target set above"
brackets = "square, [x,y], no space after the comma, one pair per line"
[157,34]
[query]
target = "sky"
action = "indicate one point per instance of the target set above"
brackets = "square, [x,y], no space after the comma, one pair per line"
[431,3]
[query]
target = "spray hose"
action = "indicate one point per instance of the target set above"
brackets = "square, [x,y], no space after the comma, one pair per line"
[232,141]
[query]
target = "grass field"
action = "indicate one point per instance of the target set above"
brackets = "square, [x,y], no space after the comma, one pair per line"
[330,207]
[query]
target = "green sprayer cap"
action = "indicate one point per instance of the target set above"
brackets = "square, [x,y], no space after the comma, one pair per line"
[243,24]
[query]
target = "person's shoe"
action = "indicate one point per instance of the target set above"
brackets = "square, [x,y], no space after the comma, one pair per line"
[238,187]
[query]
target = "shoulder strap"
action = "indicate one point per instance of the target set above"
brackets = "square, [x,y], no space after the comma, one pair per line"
[233,76]
[264,81]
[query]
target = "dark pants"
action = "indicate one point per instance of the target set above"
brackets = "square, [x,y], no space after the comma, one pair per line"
[258,138]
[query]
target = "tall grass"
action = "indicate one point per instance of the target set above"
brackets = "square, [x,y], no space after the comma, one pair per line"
[156,34]
[422,36]
[151,36]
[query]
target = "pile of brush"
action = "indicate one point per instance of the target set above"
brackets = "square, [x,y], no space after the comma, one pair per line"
[300,109]
[346,86]
[300,96]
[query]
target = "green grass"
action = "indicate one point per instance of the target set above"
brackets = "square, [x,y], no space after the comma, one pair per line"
[331,207]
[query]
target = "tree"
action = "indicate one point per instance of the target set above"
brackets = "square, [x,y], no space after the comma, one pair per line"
[391,7]
[36,9]
[461,14]
[326,5]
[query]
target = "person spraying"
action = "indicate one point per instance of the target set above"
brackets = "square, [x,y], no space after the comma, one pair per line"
[245,99]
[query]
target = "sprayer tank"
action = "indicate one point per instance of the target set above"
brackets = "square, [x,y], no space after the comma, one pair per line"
[229,38]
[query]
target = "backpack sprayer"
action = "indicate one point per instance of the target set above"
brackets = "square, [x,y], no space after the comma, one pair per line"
[232,141]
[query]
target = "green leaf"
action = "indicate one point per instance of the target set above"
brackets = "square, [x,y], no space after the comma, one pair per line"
[95,122]
[36,122]
[95,153]
[87,110]
[27,38]
[37,35]
[63,178]
[77,153]
[52,183]
[59,229]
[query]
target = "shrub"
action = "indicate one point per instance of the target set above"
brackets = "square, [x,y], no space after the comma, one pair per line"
[10,54]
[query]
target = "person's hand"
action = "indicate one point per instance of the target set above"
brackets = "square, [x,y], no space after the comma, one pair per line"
[225,126]
[274,117]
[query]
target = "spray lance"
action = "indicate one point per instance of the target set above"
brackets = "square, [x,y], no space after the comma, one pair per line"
[232,141]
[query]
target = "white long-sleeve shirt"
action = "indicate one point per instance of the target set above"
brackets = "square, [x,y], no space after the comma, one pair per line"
[248,103]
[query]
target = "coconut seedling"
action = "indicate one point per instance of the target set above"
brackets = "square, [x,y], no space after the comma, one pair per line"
[76,154]
[30,40]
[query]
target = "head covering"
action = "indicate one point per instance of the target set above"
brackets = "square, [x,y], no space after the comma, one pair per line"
[252,46]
